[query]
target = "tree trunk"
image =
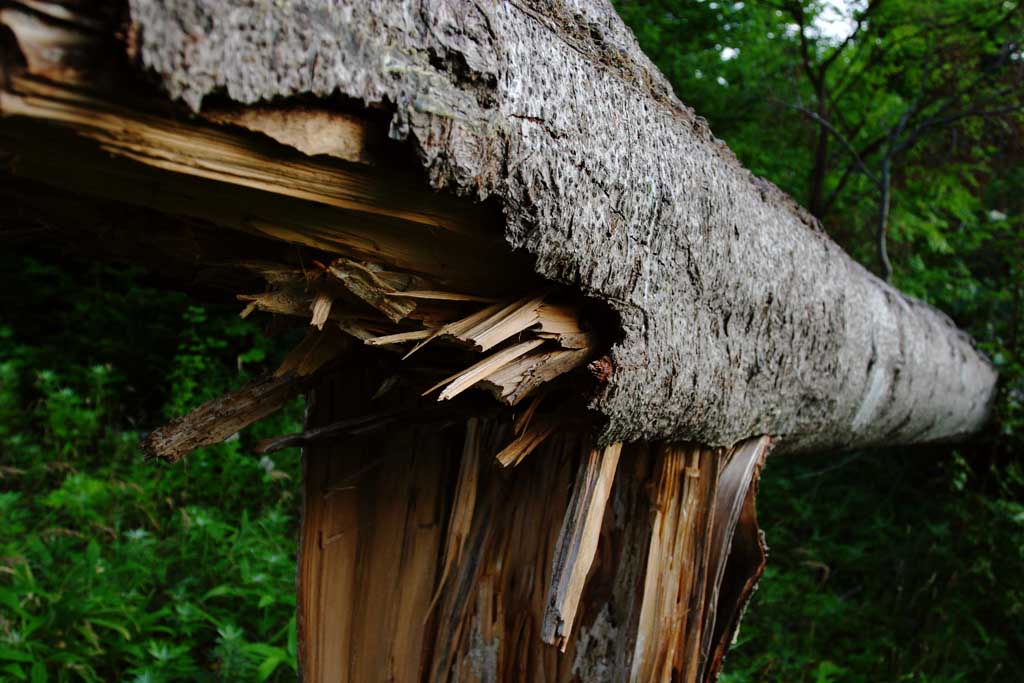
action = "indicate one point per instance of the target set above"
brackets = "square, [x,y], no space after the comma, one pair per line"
[615,539]
[421,559]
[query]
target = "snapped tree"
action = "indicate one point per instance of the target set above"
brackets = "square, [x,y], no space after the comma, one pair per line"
[504,198]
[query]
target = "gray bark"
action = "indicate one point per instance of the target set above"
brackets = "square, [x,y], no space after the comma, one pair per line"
[738,315]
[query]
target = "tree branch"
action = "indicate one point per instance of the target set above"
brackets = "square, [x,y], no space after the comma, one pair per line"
[840,137]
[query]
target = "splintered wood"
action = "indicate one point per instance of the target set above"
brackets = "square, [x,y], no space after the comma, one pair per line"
[691,602]
[610,554]
[528,341]
[386,260]
[673,595]
[222,417]
[577,542]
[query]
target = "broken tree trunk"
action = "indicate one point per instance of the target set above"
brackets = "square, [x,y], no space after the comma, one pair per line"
[738,315]
[537,411]
[422,561]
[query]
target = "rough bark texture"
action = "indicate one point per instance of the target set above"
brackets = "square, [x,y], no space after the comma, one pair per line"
[739,315]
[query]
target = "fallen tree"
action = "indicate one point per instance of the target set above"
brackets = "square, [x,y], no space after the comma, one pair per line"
[647,317]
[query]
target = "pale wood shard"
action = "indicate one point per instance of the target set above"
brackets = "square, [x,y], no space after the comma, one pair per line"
[222,417]
[520,378]
[399,337]
[436,295]
[505,323]
[686,483]
[321,308]
[459,382]
[577,542]
[558,320]
[524,444]
[456,329]
[309,129]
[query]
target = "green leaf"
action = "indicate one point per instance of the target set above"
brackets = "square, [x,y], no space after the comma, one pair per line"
[267,667]
[11,655]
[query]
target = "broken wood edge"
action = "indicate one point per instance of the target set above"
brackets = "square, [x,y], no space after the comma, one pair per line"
[222,417]
[577,542]
[746,553]
[524,444]
[672,605]
[460,518]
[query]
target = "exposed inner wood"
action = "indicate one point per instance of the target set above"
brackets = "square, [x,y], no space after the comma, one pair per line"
[704,522]
[673,594]
[619,585]
[577,541]
[222,417]
[738,551]
[120,144]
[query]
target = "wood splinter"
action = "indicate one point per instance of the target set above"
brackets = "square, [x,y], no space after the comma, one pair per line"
[221,418]
[577,542]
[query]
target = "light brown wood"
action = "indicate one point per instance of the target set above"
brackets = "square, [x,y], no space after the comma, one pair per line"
[524,444]
[522,377]
[674,583]
[133,147]
[372,534]
[312,130]
[577,542]
[700,570]
[456,384]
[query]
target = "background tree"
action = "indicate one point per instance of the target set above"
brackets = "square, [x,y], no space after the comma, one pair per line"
[915,99]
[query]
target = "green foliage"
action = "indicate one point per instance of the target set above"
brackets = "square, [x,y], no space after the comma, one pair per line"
[116,569]
[894,566]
